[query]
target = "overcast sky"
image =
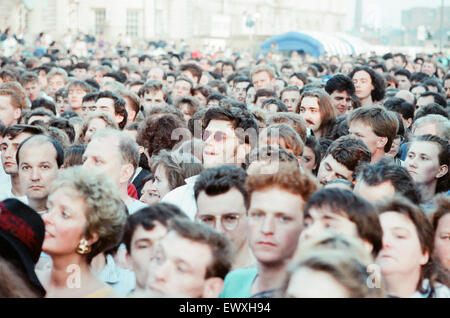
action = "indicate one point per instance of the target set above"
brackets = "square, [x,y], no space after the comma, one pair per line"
[389,12]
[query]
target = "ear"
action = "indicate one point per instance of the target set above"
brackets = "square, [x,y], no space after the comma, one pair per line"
[442,171]
[409,121]
[367,246]
[424,258]
[127,171]
[94,238]
[118,118]
[381,142]
[17,114]
[213,287]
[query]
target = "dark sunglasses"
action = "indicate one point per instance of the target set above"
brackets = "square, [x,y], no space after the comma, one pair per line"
[219,136]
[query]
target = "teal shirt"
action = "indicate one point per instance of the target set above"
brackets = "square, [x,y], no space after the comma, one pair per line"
[238,283]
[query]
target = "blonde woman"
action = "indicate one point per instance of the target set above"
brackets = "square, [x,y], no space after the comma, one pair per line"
[85,217]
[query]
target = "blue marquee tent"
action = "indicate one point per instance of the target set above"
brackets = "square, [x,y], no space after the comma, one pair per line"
[316,43]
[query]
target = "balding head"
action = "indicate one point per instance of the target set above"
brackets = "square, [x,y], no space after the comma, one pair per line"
[406,95]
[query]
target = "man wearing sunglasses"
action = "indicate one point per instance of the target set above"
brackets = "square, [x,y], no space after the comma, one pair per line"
[229,133]
[222,203]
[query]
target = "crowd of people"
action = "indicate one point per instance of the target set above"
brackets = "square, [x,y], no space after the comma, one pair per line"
[196,174]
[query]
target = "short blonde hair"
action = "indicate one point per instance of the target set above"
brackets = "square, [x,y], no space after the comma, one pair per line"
[105,212]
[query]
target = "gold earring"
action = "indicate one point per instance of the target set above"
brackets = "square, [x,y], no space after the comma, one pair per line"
[83,247]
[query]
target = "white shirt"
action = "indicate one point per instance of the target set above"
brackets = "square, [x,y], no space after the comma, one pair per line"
[135,206]
[183,197]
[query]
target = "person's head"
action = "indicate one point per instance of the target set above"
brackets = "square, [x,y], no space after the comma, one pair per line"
[38,159]
[155,133]
[284,136]
[114,153]
[403,79]
[11,106]
[263,77]
[317,109]
[293,120]
[12,138]
[94,122]
[191,260]
[342,159]
[447,86]
[403,108]
[187,105]
[344,212]
[229,134]
[88,104]
[114,104]
[311,155]
[341,88]
[432,124]
[266,159]
[428,161]
[383,180]
[430,97]
[79,71]
[85,215]
[57,79]
[73,156]
[273,105]
[298,79]
[168,173]
[440,220]
[400,60]
[429,67]
[30,83]
[429,109]
[156,74]
[143,230]
[376,126]
[290,96]
[330,273]
[407,243]
[222,202]
[75,93]
[191,71]
[183,87]
[368,83]
[152,94]
[275,218]
[132,104]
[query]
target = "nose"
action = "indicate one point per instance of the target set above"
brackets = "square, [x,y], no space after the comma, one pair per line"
[35,175]
[386,242]
[160,272]
[268,225]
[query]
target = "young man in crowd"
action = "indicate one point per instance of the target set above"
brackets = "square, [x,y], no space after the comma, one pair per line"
[275,221]
[222,203]
[341,89]
[229,134]
[11,106]
[190,261]
[12,138]
[342,159]
[376,126]
[143,231]
[344,212]
[113,104]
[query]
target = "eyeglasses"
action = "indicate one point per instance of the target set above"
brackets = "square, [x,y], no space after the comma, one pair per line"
[219,136]
[229,221]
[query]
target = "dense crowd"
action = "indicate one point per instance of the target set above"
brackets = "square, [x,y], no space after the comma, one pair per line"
[162,171]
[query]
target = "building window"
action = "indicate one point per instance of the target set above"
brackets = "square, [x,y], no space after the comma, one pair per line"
[132,22]
[100,21]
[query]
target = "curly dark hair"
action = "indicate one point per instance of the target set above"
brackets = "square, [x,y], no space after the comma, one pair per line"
[155,133]
[378,82]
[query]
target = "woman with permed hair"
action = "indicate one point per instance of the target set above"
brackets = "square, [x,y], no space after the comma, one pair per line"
[85,217]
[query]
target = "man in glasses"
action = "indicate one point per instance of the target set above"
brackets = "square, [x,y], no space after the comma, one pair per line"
[222,203]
